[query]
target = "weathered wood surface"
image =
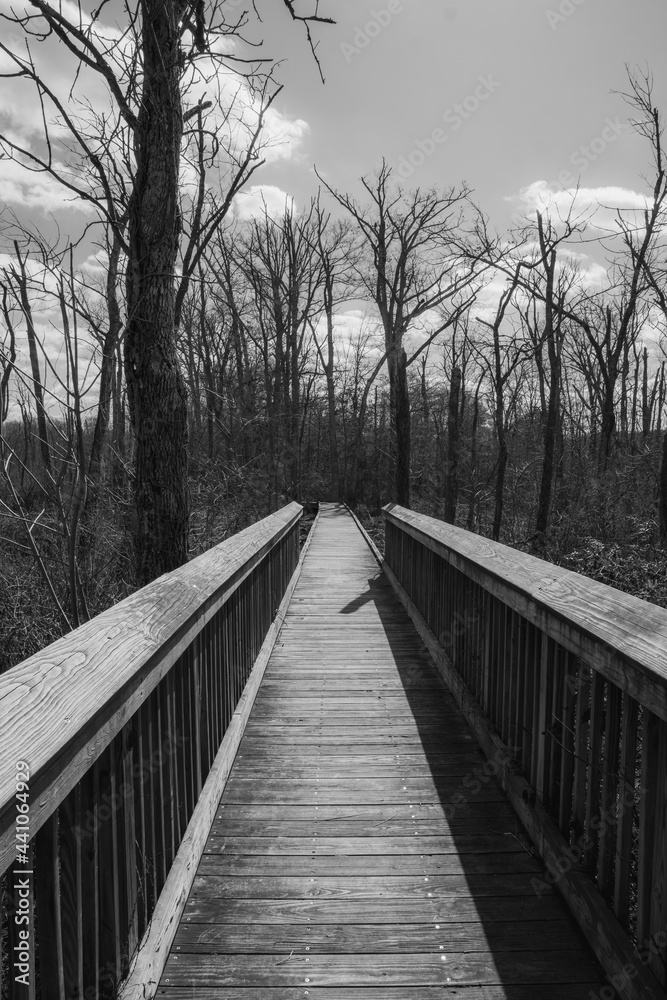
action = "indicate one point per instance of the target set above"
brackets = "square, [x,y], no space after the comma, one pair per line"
[621,636]
[62,707]
[151,956]
[362,848]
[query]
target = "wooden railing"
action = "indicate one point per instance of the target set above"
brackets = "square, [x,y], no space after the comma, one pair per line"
[571,676]
[106,740]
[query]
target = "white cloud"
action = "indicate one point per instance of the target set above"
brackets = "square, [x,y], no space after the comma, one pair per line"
[596,207]
[38,191]
[252,201]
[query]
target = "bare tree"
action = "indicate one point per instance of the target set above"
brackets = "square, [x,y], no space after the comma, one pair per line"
[136,187]
[411,267]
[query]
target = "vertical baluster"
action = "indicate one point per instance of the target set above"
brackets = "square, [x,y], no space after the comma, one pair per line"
[149,795]
[512,684]
[541,736]
[236,665]
[581,739]
[109,941]
[652,839]
[217,698]
[499,665]
[555,724]
[609,792]
[525,739]
[659,893]
[624,829]
[474,627]
[183,735]
[487,662]
[198,699]
[123,864]
[593,783]
[87,832]
[17,990]
[206,710]
[177,748]
[128,821]
[47,893]
[516,738]
[139,780]
[71,892]
[156,793]
[569,690]
[231,667]
[166,756]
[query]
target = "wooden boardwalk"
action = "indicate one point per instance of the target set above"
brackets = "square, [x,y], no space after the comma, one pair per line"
[362,848]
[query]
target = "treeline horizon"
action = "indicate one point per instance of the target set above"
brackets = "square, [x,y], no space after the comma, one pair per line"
[388,349]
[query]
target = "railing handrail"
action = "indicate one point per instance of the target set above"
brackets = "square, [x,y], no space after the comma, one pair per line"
[62,706]
[621,636]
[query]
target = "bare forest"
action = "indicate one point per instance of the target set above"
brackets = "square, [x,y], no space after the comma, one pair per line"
[376,346]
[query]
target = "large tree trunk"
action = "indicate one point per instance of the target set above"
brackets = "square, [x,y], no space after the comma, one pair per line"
[333,440]
[106,371]
[607,429]
[500,487]
[400,424]
[550,438]
[470,522]
[662,494]
[453,437]
[156,391]
[334,463]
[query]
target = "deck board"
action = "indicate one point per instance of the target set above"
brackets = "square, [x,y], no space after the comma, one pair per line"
[362,847]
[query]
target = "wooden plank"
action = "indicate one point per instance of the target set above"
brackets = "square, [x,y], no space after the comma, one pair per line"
[437,968]
[353,887]
[326,939]
[145,971]
[372,815]
[575,991]
[382,911]
[62,707]
[385,865]
[610,944]
[416,844]
[361,884]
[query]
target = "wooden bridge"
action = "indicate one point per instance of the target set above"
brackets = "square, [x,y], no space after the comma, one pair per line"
[277,774]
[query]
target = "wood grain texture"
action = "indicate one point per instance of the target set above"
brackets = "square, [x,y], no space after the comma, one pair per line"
[362,846]
[601,928]
[575,991]
[62,707]
[144,975]
[621,636]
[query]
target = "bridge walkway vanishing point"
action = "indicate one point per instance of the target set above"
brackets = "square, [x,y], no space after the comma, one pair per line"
[362,847]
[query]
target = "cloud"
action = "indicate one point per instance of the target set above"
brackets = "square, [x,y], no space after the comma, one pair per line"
[596,207]
[252,201]
[37,191]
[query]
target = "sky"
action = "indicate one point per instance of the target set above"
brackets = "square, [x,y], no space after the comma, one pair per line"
[520,99]
[534,82]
